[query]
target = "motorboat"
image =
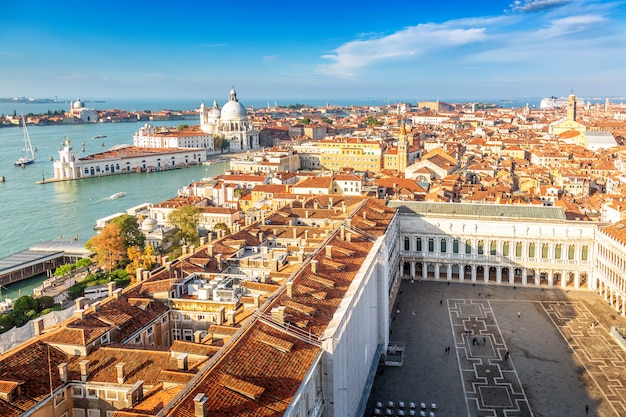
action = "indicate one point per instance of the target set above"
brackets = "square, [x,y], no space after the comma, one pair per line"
[117,195]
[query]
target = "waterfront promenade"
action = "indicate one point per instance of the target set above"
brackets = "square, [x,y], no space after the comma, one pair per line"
[562,357]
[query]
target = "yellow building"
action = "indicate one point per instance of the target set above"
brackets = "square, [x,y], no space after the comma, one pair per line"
[359,154]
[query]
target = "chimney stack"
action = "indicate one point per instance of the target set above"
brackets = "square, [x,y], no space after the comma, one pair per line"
[80,302]
[290,289]
[342,232]
[139,274]
[329,252]
[314,266]
[121,374]
[278,315]
[38,326]
[349,237]
[209,250]
[84,370]
[197,336]
[181,362]
[63,372]
[111,286]
[230,317]
[199,405]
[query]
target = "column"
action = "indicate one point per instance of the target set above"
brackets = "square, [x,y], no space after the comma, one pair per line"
[623,306]
[550,278]
[437,271]
[577,279]
[537,277]
[461,272]
[449,266]
[499,274]
[524,276]
[473,273]
[511,275]
[564,278]
[412,269]
[424,270]
[486,273]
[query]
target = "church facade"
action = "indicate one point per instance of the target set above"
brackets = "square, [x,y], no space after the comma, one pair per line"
[230,123]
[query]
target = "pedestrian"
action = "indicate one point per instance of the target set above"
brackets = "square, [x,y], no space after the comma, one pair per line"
[484,341]
[440,302]
[518,314]
[586,409]
[506,357]
[413,312]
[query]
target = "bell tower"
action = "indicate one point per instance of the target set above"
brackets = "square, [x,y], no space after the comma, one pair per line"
[403,155]
[571,107]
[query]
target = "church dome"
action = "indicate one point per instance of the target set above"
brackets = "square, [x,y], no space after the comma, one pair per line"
[78,104]
[215,111]
[233,109]
[148,224]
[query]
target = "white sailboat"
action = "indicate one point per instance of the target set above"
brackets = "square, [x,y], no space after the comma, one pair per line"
[28,156]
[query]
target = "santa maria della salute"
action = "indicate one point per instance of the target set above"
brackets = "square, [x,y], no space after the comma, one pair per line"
[231,123]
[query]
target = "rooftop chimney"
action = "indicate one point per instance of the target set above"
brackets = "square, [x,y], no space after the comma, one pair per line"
[84,370]
[306,214]
[121,374]
[199,405]
[295,233]
[278,315]
[38,326]
[139,274]
[181,362]
[329,252]
[80,302]
[63,372]
[209,250]
[290,289]
[197,336]
[349,237]
[342,232]
[314,266]
[230,317]
[111,286]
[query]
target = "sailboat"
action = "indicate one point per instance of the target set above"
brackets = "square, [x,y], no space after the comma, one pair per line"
[28,156]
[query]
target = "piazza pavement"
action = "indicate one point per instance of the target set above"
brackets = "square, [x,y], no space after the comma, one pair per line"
[561,360]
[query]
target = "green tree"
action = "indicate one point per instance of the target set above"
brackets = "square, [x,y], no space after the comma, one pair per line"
[44,302]
[182,127]
[372,121]
[130,231]
[186,220]
[305,121]
[25,304]
[221,226]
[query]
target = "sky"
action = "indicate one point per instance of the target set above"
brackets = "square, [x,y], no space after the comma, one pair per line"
[412,50]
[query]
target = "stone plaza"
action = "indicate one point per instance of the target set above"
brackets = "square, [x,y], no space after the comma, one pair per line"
[488,350]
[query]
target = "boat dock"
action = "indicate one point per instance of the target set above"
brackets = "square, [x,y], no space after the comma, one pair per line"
[41,258]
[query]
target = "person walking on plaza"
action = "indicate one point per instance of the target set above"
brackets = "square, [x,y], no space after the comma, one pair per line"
[518,314]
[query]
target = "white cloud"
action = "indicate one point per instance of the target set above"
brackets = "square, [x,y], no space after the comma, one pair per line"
[569,25]
[409,42]
[530,6]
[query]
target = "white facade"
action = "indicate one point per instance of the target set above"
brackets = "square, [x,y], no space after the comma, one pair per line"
[516,251]
[122,160]
[231,123]
[149,136]
[610,268]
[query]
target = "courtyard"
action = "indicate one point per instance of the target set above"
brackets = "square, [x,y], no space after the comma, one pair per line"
[479,350]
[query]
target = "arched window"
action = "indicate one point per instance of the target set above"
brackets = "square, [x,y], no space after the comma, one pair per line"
[407,243]
[544,251]
[585,253]
[531,250]
[481,247]
[557,251]
[418,245]
[571,250]
[468,246]
[505,249]
[492,249]
[518,249]
[455,246]
[443,246]
[431,245]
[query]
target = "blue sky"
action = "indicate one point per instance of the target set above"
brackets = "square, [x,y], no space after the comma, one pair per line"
[413,50]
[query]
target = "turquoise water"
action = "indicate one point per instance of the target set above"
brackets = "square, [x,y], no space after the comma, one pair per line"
[31,212]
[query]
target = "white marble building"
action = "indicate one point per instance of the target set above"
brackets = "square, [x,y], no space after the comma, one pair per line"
[230,123]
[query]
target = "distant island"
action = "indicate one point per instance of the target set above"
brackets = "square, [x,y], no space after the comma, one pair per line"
[26,100]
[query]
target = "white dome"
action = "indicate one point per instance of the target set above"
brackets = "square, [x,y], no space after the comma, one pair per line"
[215,111]
[149,224]
[234,110]
[78,104]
